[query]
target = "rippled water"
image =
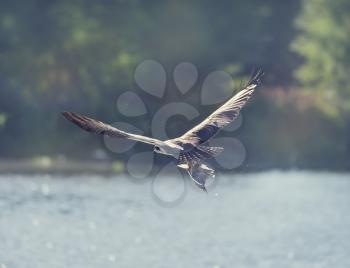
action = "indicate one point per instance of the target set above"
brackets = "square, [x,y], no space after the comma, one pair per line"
[270,219]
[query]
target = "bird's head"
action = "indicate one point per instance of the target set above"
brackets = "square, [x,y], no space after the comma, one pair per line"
[168,148]
[157,149]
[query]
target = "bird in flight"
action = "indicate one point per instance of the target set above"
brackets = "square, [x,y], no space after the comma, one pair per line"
[191,149]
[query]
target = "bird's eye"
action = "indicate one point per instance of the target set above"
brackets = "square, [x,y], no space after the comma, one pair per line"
[156,148]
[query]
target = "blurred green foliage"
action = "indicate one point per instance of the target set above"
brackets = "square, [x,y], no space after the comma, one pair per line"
[324,44]
[80,56]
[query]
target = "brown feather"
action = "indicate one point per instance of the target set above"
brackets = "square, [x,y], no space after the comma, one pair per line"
[224,115]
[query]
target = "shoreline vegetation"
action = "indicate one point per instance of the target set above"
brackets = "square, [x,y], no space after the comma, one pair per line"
[61,165]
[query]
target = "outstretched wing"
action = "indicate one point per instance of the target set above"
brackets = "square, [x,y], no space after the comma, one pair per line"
[101,128]
[224,115]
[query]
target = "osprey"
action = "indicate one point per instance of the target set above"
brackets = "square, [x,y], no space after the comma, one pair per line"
[190,149]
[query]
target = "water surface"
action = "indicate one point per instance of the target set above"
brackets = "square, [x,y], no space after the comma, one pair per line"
[271,219]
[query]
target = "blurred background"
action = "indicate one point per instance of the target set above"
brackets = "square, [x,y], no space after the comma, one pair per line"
[81,56]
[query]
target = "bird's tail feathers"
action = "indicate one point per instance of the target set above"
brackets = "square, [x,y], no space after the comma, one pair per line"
[192,162]
[211,151]
[199,173]
[198,154]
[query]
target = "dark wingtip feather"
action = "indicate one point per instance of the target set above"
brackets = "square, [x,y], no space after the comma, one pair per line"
[76,119]
[256,77]
[70,116]
[66,114]
[89,124]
